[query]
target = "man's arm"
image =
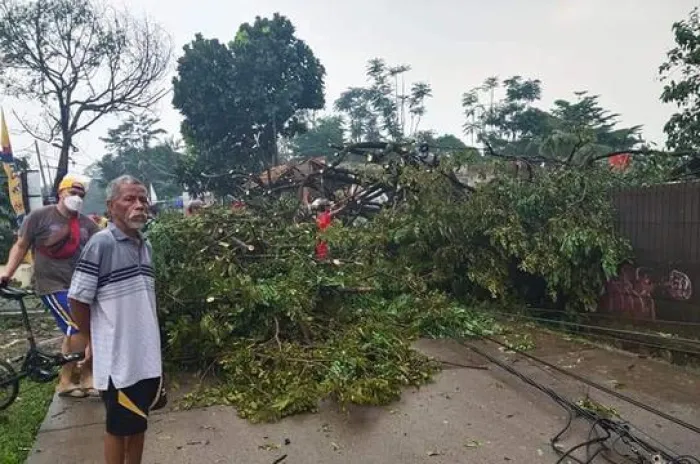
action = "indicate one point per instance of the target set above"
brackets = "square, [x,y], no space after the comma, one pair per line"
[83,288]
[80,312]
[17,254]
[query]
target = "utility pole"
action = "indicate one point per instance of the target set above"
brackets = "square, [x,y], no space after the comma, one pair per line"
[41,167]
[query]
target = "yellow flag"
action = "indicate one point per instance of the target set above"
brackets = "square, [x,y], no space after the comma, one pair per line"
[14,181]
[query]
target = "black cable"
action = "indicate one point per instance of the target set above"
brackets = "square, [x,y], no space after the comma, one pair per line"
[589,457]
[581,445]
[616,318]
[597,386]
[601,328]
[613,338]
[628,340]
[572,409]
[685,459]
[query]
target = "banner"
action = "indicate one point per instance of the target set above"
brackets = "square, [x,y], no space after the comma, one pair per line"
[14,179]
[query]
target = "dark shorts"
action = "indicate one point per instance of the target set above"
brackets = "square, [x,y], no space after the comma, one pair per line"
[128,408]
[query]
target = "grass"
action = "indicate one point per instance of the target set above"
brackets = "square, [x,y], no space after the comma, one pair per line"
[20,422]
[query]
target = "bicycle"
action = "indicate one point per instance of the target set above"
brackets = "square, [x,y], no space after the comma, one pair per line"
[37,365]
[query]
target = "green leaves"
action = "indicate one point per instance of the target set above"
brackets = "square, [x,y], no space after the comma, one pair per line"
[237,99]
[285,331]
[571,132]
[134,149]
[316,141]
[681,74]
[384,110]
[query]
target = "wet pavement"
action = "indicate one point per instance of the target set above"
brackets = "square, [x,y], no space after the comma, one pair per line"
[466,416]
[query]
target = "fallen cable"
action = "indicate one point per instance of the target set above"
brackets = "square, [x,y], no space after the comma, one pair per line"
[613,317]
[603,328]
[597,386]
[645,452]
[613,338]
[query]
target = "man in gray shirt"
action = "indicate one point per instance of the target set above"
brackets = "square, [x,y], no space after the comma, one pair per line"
[113,300]
[56,234]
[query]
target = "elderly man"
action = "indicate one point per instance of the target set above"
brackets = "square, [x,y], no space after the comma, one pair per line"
[113,300]
[56,234]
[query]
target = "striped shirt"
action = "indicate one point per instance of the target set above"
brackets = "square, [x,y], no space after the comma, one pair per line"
[115,277]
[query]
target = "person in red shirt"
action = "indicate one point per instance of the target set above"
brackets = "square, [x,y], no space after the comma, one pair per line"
[324,217]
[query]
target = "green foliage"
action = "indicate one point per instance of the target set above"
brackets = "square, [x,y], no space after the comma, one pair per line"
[365,364]
[681,74]
[241,294]
[444,145]
[238,98]
[315,142]
[135,150]
[551,240]
[384,110]
[573,132]
[20,423]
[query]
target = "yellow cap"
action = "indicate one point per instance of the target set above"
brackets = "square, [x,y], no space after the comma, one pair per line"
[69,182]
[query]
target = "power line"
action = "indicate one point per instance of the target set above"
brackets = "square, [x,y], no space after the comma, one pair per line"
[601,328]
[616,318]
[629,340]
[608,425]
[593,384]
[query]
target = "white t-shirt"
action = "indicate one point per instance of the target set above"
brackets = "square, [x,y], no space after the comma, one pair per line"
[115,277]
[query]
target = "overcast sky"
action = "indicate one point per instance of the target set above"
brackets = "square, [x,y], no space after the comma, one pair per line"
[610,48]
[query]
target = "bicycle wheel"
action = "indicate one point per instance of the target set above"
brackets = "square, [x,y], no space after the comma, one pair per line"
[9,385]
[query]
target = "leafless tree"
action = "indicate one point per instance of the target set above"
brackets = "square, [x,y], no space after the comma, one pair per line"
[80,60]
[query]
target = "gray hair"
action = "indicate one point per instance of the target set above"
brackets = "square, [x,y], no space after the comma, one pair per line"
[114,186]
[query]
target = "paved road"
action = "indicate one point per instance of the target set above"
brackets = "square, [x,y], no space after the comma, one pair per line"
[466,416]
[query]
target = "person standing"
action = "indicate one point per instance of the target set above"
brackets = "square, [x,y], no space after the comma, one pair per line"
[194,207]
[113,299]
[56,234]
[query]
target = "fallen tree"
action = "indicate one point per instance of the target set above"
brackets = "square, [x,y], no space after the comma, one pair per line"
[243,297]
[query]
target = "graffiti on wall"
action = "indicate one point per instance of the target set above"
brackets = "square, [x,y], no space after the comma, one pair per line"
[632,294]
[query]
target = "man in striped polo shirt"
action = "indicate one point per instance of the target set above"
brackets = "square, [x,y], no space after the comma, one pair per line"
[113,300]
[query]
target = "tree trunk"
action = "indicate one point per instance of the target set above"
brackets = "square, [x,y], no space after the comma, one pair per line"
[62,168]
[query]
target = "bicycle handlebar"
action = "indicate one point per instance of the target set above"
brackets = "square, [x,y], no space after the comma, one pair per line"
[13,293]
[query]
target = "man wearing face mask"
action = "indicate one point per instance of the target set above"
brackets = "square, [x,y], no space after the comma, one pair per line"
[56,235]
[113,299]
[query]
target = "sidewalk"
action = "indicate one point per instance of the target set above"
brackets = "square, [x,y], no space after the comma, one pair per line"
[466,416]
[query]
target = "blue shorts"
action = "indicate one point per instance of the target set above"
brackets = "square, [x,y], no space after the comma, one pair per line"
[60,308]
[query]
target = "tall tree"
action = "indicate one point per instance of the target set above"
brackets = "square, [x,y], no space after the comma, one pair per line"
[362,121]
[681,74]
[315,142]
[136,133]
[570,131]
[445,144]
[80,60]
[386,108]
[238,99]
[134,148]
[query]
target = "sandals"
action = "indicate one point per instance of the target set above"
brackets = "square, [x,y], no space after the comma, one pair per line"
[91,392]
[72,392]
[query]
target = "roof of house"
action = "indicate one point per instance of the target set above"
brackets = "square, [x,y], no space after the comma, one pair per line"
[292,170]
